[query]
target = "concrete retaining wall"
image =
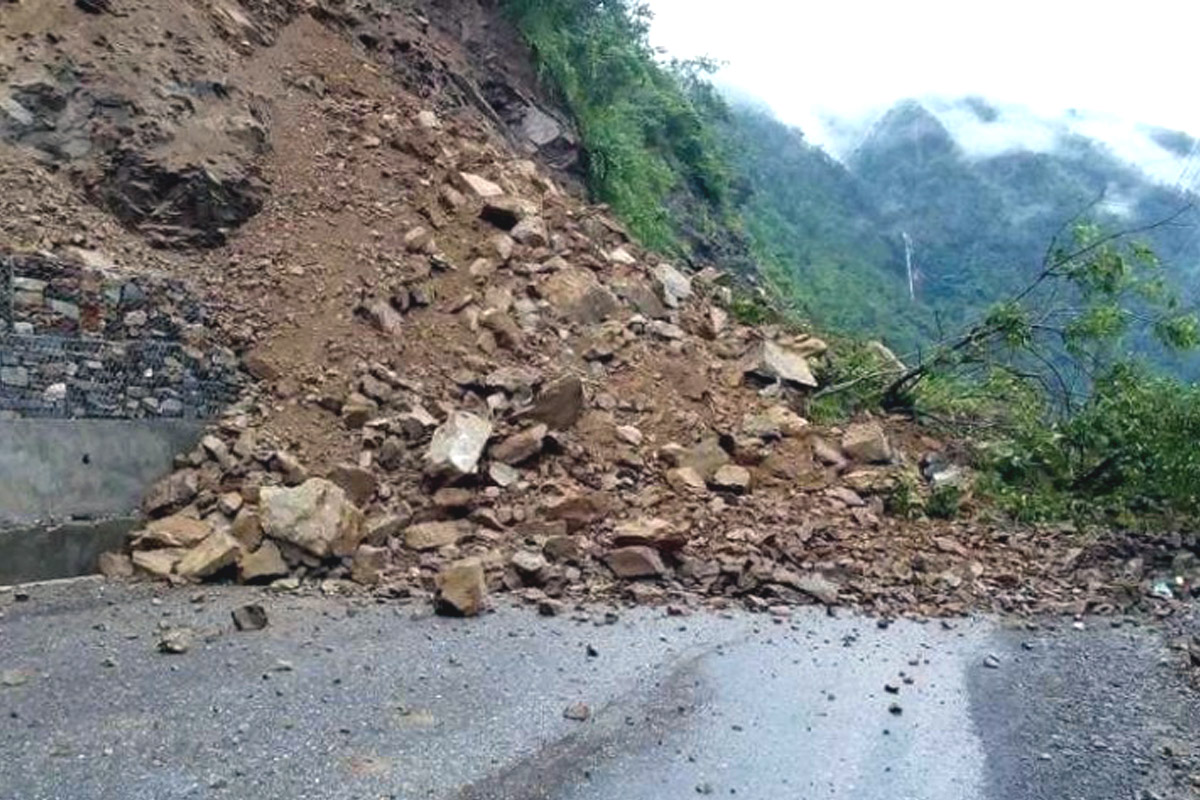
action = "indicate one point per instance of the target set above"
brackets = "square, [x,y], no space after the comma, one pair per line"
[60,551]
[59,470]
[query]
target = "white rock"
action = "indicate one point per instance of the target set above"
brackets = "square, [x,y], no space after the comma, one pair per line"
[315,516]
[458,444]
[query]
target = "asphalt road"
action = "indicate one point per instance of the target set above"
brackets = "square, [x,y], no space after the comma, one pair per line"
[346,698]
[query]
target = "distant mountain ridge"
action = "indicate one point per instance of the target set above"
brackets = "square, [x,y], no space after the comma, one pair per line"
[979,224]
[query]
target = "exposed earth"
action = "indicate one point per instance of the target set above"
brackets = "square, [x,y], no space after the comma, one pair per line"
[459,370]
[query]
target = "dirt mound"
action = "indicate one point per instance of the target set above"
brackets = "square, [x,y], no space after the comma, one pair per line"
[467,378]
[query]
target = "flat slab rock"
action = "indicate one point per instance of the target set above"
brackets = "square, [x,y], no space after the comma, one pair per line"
[635,562]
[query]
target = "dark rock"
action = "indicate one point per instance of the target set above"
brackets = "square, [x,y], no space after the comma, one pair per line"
[250,618]
[560,403]
[578,712]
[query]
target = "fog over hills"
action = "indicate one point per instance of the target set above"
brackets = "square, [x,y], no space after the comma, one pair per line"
[985,128]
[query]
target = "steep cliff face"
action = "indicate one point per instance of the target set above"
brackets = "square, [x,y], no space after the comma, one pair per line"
[162,113]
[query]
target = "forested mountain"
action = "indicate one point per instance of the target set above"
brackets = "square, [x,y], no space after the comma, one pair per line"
[979,226]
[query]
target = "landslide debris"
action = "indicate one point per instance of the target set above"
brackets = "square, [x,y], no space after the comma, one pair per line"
[465,379]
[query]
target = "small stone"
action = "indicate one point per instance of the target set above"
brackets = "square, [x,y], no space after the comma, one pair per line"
[991,661]
[434,535]
[621,256]
[502,246]
[577,712]
[247,529]
[895,709]
[772,361]
[732,478]
[629,435]
[11,678]
[159,563]
[673,286]
[218,451]
[382,316]
[418,239]
[520,446]
[479,186]
[560,403]
[175,641]
[259,368]
[818,586]
[251,617]
[549,607]
[562,548]
[214,554]
[369,564]
[461,588]
[454,498]
[531,232]
[171,492]
[503,475]
[176,530]
[230,503]
[290,468]
[686,479]
[530,566]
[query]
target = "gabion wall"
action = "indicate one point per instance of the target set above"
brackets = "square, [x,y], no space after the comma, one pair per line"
[79,342]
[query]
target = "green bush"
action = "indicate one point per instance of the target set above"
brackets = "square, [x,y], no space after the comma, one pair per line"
[1130,450]
[644,125]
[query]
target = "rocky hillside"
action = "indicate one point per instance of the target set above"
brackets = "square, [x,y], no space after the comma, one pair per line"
[462,378]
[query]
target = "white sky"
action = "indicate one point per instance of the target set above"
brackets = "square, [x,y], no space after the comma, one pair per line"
[1138,59]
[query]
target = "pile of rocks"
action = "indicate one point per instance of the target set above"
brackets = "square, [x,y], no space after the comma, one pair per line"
[465,379]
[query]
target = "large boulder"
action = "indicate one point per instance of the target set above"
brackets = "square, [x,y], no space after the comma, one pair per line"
[478,186]
[457,444]
[635,562]
[432,535]
[171,492]
[315,516]
[776,362]
[214,554]
[173,531]
[560,403]
[577,295]
[263,564]
[673,286]
[461,588]
[866,442]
